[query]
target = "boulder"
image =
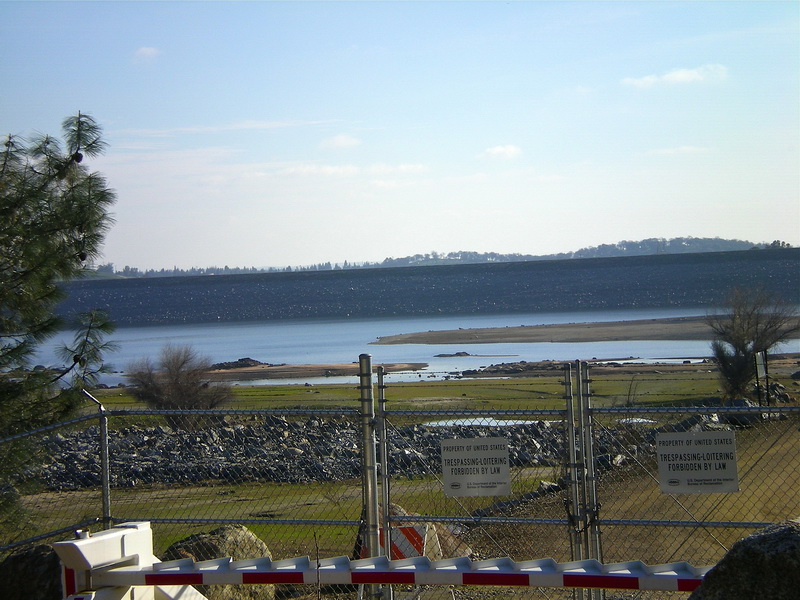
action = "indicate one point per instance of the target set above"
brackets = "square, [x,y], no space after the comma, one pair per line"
[32,573]
[763,565]
[234,541]
[740,419]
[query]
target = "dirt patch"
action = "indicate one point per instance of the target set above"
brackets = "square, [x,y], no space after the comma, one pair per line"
[294,371]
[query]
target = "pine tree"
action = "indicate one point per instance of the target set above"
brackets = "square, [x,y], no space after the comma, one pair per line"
[53,219]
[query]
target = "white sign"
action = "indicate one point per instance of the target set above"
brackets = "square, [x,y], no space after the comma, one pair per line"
[697,462]
[476,467]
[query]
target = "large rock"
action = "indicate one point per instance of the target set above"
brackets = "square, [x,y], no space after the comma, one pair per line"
[740,419]
[235,541]
[763,565]
[32,573]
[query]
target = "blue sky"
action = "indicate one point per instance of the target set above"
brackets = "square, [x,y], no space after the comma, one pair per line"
[291,133]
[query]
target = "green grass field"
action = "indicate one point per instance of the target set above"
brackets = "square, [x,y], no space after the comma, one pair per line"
[647,387]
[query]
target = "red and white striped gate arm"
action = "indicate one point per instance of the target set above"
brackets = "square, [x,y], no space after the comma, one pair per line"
[122,558]
[412,571]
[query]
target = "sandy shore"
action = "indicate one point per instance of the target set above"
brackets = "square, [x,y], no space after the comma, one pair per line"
[679,328]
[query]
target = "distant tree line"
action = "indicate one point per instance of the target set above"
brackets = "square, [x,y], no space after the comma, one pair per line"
[682,245]
[108,270]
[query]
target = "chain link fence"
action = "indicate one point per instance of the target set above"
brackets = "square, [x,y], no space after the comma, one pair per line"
[296,479]
[639,519]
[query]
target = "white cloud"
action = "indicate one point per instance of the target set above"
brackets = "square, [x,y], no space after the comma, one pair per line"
[550,178]
[703,74]
[679,150]
[326,170]
[340,141]
[353,170]
[507,151]
[382,169]
[391,184]
[246,125]
[146,54]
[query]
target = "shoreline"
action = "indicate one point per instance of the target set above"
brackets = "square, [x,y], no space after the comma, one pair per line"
[675,328]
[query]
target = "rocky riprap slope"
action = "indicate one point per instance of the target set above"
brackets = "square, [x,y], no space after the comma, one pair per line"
[275,449]
[315,449]
[659,281]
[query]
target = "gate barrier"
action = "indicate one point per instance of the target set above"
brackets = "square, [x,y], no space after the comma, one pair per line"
[118,564]
[406,542]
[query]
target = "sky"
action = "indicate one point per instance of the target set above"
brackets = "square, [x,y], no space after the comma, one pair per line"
[273,134]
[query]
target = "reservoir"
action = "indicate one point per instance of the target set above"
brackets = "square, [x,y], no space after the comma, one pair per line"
[331,341]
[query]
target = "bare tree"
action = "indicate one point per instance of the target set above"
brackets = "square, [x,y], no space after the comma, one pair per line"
[178,382]
[755,322]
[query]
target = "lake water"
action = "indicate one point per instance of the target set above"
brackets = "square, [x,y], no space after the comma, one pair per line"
[343,340]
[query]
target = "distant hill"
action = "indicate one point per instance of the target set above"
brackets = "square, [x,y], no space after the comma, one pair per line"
[700,280]
[683,245]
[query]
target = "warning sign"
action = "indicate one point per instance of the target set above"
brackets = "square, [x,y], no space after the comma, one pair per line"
[476,467]
[697,462]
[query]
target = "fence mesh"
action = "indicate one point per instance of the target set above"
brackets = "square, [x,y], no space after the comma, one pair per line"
[487,526]
[697,528]
[294,479]
[35,502]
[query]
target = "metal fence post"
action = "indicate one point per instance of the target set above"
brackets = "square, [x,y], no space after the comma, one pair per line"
[591,507]
[105,475]
[573,475]
[369,461]
[583,459]
[597,546]
[383,444]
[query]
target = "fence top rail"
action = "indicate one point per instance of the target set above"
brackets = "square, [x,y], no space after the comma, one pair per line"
[544,412]
[51,427]
[294,412]
[261,521]
[698,410]
[49,534]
